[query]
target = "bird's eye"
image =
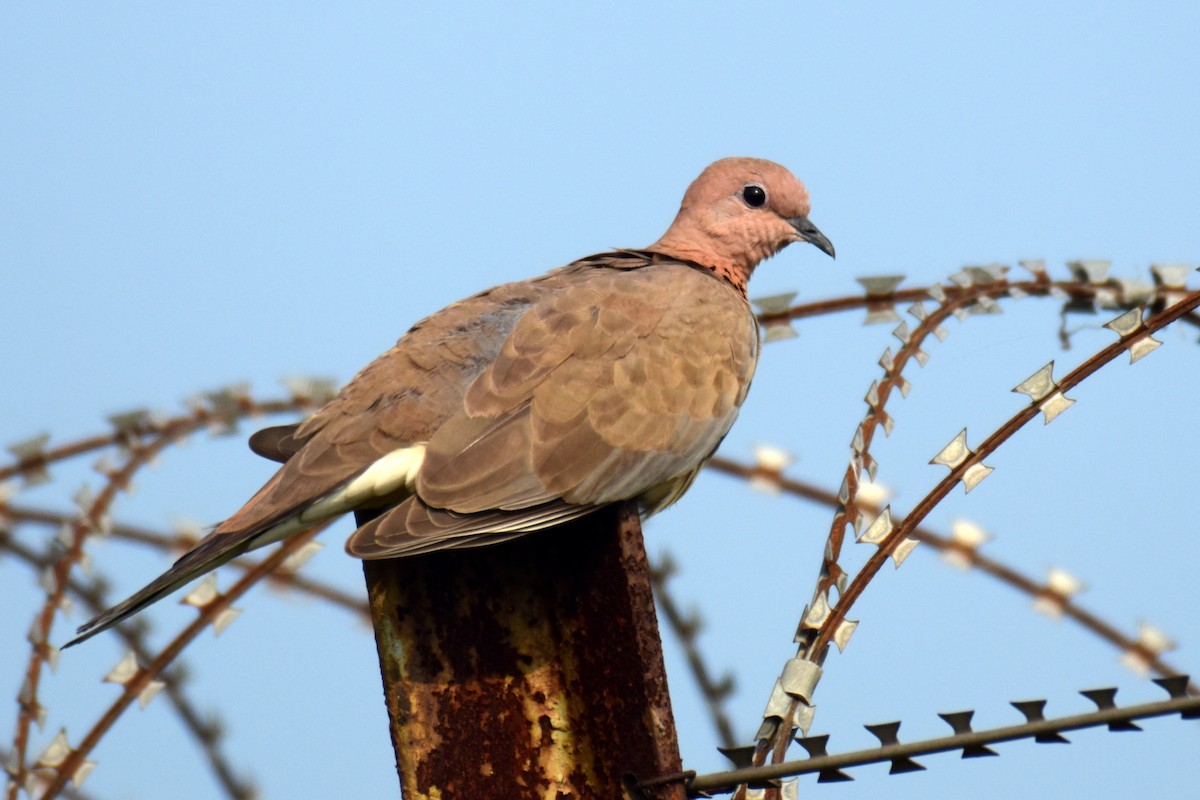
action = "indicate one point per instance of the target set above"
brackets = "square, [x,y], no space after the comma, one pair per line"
[754,195]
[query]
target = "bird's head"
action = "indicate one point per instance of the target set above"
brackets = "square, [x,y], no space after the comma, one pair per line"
[737,213]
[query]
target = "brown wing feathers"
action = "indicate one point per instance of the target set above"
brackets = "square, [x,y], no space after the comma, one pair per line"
[594,397]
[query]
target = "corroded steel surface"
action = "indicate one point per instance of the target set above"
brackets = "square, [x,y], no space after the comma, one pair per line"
[531,669]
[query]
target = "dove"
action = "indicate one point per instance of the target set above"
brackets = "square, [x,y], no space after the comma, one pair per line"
[613,378]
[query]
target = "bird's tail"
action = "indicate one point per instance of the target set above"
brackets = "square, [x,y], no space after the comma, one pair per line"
[207,556]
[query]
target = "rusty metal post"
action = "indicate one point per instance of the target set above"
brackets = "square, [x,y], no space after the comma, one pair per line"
[529,669]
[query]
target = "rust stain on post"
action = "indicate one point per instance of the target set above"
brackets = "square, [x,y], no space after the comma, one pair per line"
[530,669]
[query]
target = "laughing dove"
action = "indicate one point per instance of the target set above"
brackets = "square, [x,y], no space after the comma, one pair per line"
[533,403]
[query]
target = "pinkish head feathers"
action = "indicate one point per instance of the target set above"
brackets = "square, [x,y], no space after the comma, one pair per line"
[737,213]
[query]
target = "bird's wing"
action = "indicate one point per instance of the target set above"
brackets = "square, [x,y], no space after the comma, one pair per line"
[606,389]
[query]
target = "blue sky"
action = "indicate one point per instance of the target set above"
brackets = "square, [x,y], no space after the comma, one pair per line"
[202,194]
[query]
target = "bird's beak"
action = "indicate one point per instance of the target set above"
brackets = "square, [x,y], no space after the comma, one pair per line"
[809,233]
